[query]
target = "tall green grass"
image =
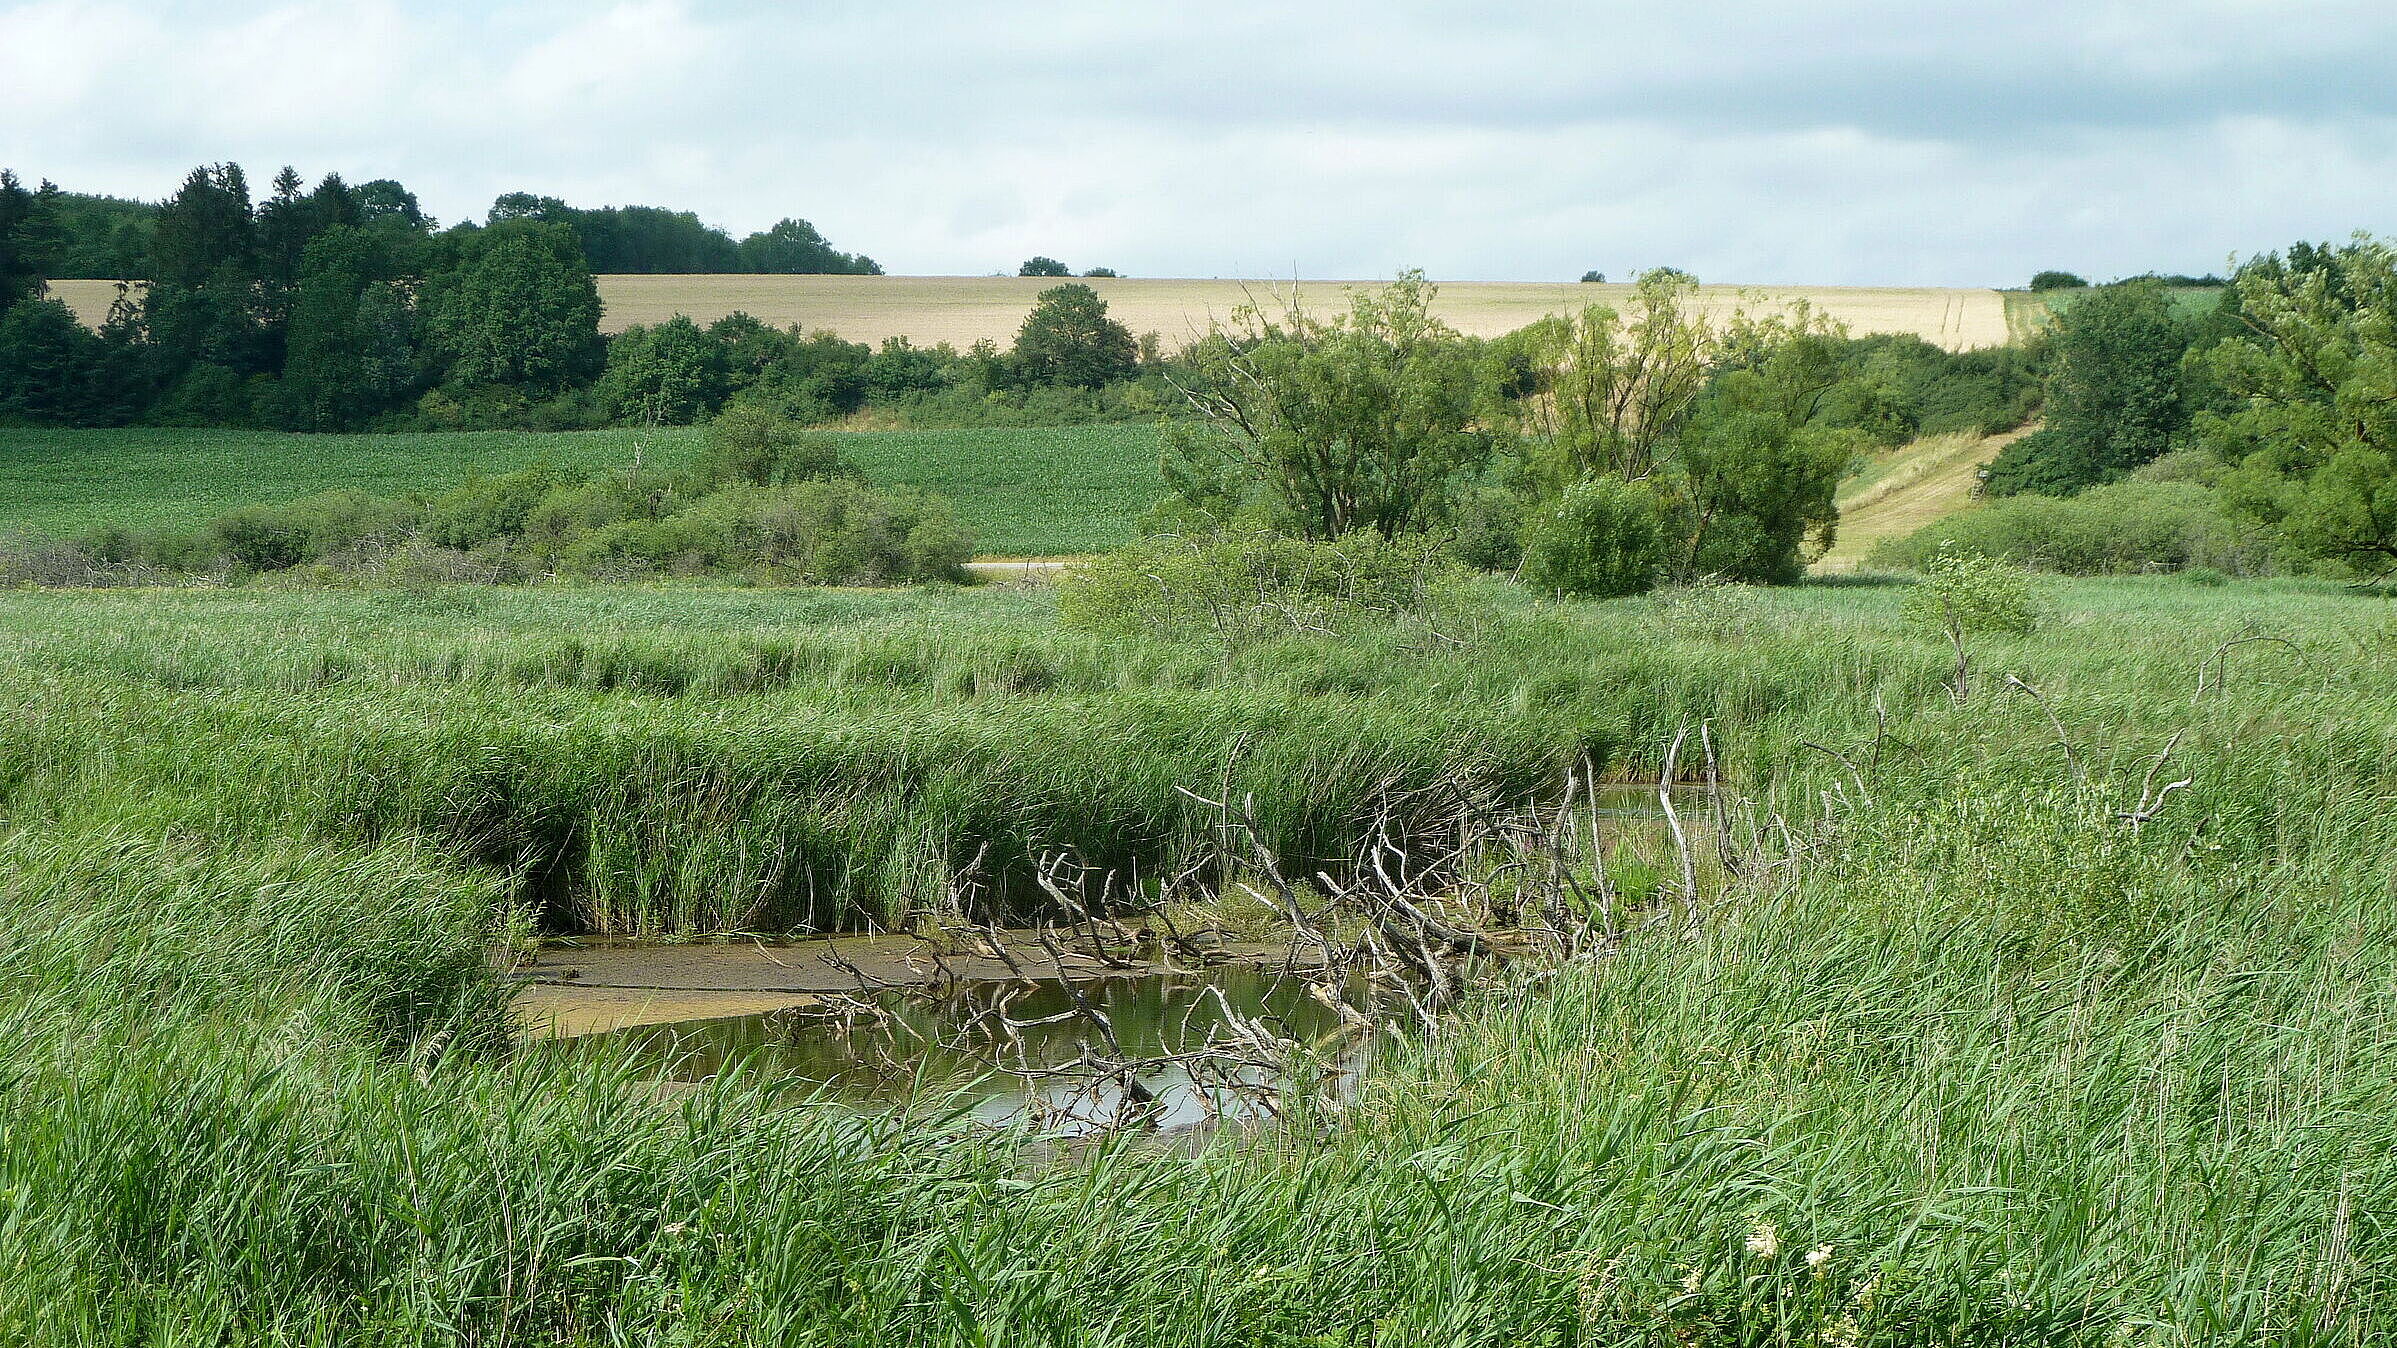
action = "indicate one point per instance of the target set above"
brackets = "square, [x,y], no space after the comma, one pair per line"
[1962,1056]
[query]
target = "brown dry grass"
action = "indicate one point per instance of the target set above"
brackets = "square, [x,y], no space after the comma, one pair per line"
[960,310]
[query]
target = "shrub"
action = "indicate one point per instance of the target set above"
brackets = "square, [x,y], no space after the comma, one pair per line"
[1247,584]
[828,532]
[483,509]
[1961,595]
[2122,528]
[1601,538]
[1487,531]
[752,445]
[2058,280]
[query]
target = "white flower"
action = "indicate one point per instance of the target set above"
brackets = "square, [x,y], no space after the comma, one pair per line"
[1817,1257]
[1765,1241]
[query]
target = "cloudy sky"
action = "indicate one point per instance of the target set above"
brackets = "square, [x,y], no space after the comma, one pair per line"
[1800,141]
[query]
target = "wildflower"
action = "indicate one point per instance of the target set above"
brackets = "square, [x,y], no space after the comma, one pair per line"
[1765,1241]
[1690,1282]
[1841,1333]
[1817,1257]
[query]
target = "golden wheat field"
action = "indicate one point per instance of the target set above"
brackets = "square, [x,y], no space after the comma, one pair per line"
[963,309]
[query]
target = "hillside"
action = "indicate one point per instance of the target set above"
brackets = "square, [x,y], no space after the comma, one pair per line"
[1914,485]
[961,310]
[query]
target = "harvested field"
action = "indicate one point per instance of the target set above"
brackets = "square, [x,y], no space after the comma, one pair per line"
[961,310]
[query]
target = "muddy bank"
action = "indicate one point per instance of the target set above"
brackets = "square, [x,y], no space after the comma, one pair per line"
[594,985]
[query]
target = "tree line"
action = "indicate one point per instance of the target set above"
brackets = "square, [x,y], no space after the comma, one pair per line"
[77,235]
[2260,430]
[341,308]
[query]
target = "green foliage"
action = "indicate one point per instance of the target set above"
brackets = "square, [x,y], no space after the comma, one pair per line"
[651,240]
[48,365]
[1068,340]
[1962,596]
[2058,280]
[1899,382]
[274,538]
[1363,421]
[1486,531]
[752,446]
[820,532]
[520,311]
[1600,395]
[2314,436]
[2116,397]
[1247,585]
[1600,538]
[352,344]
[1043,266]
[2121,528]
[795,247]
[22,247]
[670,374]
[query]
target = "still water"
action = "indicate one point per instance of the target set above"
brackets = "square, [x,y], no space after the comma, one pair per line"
[1008,1052]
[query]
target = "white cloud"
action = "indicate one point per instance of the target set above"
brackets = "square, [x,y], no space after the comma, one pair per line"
[1853,141]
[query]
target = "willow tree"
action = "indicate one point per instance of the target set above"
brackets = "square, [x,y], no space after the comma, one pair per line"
[1599,394]
[2315,438]
[1365,420]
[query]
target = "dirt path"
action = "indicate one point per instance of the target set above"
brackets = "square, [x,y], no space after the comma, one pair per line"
[1018,570]
[1920,482]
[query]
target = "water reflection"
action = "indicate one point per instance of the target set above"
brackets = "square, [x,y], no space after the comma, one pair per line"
[1045,1050]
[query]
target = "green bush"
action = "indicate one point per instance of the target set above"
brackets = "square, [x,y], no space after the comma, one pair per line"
[1248,584]
[1486,532]
[829,532]
[482,509]
[273,538]
[1602,538]
[755,446]
[2119,529]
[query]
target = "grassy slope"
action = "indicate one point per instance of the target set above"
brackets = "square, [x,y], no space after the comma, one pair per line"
[1907,489]
[1025,492]
[2006,1066]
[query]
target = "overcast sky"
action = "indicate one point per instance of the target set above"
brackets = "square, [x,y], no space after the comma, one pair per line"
[1803,141]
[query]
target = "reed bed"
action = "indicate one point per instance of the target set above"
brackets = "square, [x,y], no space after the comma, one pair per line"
[1986,1041]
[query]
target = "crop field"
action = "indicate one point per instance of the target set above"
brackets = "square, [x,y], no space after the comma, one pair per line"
[961,310]
[1025,492]
[2027,311]
[2059,1018]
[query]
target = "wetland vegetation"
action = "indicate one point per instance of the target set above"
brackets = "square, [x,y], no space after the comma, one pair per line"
[1998,1032]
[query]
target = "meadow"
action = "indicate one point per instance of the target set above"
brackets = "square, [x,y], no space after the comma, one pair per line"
[1025,492]
[2054,1017]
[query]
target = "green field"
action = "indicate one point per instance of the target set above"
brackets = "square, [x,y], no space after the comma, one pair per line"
[2057,1021]
[2027,311]
[1037,492]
